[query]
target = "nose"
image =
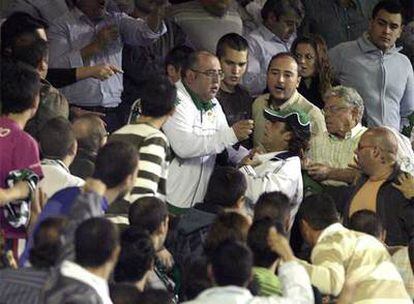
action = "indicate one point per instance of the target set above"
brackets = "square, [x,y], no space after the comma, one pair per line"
[300,58]
[215,78]
[235,70]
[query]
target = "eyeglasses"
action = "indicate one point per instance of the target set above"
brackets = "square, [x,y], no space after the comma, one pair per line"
[334,109]
[217,74]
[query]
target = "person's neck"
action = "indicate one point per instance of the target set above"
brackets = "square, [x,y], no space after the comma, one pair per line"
[20,118]
[101,272]
[381,173]
[67,160]
[140,285]
[154,122]
[227,88]
[111,194]
[277,102]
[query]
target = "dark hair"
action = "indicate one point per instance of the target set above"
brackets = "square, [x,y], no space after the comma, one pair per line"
[319,211]
[391,6]
[95,242]
[366,221]
[283,55]
[20,88]
[151,296]
[233,41]
[232,264]
[227,226]
[225,187]
[147,213]
[263,255]
[323,65]
[178,56]
[56,138]
[47,242]
[32,53]
[158,97]
[299,142]
[89,131]
[136,257]
[124,293]
[114,162]
[273,205]
[282,7]
[17,25]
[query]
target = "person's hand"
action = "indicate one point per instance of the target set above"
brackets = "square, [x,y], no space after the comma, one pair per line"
[94,185]
[165,258]
[318,172]
[107,35]
[243,128]
[405,185]
[19,191]
[251,159]
[280,245]
[103,71]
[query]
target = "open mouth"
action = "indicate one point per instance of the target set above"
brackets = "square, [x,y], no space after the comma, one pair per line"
[279,89]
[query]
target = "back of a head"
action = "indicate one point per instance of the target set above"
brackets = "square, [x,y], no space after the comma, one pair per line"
[231,263]
[15,27]
[232,41]
[366,221]
[152,296]
[385,139]
[257,241]
[148,213]
[319,211]
[136,257]
[391,6]
[282,7]
[114,162]
[32,53]
[56,138]
[225,187]
[178,56]
[47,242]
[90,132]
[273,205]
[96,239]
[20,89]
[124,293]
[158,97]
[227,226]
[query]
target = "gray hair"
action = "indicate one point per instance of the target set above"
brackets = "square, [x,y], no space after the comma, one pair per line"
[349,95]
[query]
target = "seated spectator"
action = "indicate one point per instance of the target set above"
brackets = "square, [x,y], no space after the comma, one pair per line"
[368,222]
[231,268]
[52,103]
[175,60]
[376,157]
[115,169]
[315,69]
[339,254]
[282,80]
[276,34]
[157,105]
[136,259]
[360,63]
[286,139]
[58,146]
[86,280]
[275,206]
[25,284]
[205,21]
[151,214]
[332,152]
[265,260]
[225,191]
[18,150]
[91,135]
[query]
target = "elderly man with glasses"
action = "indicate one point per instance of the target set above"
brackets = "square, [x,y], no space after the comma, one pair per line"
[198,130]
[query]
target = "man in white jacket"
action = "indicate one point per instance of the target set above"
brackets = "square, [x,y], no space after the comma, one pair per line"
[198,130]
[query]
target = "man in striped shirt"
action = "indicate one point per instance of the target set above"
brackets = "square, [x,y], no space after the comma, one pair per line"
[340,255]
[157,105]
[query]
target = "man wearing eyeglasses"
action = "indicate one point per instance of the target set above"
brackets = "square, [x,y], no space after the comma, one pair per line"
[198,130]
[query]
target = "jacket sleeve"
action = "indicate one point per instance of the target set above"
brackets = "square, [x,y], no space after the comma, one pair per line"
[407,101]
[188,140]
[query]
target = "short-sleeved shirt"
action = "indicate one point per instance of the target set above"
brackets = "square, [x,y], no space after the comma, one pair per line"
[18,150]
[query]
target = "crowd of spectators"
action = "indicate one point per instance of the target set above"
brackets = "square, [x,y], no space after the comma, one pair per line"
[207,151]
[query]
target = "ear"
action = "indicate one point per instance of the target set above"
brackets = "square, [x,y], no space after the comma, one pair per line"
[42,67]
[210,273]
[73,148]
[171,71]
[287,135]
[115,254]
[240,202]
[299,79]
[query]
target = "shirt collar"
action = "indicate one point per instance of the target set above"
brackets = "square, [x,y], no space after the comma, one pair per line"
[268,35]
[351,134]
[77,272]
[331,229]
[55,163]
[367,46]
[201,105]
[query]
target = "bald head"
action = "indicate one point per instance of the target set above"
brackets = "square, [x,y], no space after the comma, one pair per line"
[385,140]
